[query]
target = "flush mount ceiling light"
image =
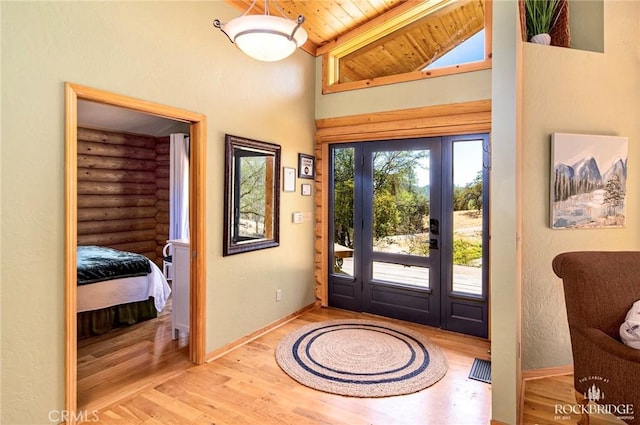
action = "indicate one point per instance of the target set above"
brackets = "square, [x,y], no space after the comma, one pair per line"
[265,37]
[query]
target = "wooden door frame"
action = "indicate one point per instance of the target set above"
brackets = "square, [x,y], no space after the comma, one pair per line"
[197,303]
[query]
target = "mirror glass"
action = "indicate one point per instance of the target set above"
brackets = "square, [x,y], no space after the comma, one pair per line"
[252,201]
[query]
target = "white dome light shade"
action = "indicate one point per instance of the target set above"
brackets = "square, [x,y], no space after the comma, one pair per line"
[265,37]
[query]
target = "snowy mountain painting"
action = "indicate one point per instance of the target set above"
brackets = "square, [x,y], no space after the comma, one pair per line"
[588,181]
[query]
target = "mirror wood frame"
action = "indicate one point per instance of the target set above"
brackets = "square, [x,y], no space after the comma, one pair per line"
[232,144]
[197,302]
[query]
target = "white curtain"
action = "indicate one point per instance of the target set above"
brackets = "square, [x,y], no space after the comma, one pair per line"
[179,187]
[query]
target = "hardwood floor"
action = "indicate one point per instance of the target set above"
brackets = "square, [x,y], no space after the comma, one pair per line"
[138,375]
[119,363]
[246,386]
[542,395]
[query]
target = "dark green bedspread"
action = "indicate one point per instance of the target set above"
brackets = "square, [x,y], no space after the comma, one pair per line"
[97,264]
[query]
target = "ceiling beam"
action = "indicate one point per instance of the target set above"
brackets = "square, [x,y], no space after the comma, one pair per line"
[396,18]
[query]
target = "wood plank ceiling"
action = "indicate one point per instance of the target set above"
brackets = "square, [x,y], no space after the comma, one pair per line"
[325,21]
[407,49]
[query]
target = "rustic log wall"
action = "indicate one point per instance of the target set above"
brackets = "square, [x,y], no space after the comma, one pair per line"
[162,193]
[123,191]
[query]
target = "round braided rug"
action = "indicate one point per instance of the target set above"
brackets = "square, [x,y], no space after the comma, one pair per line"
[361,358]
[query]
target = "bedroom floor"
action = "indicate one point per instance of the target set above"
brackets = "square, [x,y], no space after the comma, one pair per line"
[121,362]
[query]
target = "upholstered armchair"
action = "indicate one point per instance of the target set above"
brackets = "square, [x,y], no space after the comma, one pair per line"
[600,288]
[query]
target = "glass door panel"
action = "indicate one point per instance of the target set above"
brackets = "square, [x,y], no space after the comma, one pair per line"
[467,216]
[401,190]
[343,173]
[465,239]
[408,223]
[345,283]
[400,252]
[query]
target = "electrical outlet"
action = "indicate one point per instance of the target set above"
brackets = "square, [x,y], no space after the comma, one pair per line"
[278,295]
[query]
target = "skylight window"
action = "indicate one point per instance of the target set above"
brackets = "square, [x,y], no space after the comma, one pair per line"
[470,50]
[414,41]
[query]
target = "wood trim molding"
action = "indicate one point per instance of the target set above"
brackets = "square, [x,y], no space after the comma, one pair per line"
[546,372]
[442,120]
[257,334]
[321,261]
[458,118]
[197,215]
[70,244]
[400,78]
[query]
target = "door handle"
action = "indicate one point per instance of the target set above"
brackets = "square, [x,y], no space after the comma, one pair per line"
[433,243]
[434,226]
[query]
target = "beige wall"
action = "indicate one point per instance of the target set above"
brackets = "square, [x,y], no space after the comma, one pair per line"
[165,52]
[586,22]
[431,91]
[573,91]
[505,212]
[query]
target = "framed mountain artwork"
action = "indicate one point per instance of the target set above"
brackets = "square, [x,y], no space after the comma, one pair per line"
[588,181]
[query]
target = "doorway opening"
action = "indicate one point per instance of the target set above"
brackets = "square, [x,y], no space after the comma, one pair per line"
[196,124]
[408,223]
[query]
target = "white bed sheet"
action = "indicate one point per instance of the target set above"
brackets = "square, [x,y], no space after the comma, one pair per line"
[99,295]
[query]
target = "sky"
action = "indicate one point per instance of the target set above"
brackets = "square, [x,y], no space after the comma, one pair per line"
[471,50]
[467,161]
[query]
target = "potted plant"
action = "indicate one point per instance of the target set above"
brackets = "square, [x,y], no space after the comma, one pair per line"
[541,16]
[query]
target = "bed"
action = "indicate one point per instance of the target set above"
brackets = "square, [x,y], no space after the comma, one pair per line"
[115,289]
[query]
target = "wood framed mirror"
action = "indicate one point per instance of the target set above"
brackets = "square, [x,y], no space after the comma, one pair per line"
[252,195]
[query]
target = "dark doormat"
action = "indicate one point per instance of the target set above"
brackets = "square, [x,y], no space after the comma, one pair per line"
[481,370]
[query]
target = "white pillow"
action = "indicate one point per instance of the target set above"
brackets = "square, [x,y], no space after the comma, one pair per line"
[630,329]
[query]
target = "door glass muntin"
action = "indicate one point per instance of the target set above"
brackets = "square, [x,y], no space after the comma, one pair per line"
[393,273]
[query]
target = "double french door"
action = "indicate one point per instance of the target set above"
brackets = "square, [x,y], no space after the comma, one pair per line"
[408,220]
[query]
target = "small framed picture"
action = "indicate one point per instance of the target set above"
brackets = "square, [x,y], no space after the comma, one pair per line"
[306,189]
[306,165]
[288,179]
